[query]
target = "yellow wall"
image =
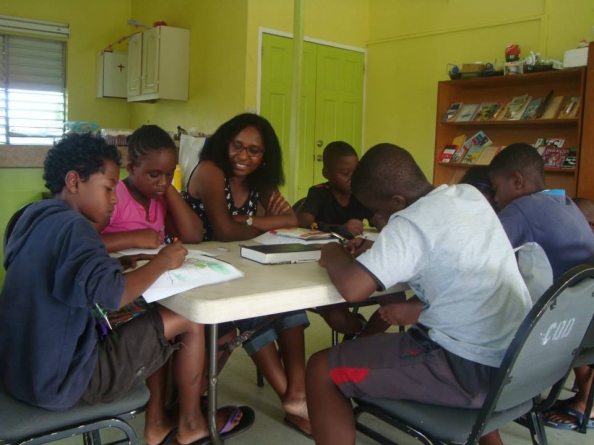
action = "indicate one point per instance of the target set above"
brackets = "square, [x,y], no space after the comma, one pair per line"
[411,41]
[224,50]
[93,26]
[217,62]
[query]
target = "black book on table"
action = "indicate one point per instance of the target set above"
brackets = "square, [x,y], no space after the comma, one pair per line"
[282,253]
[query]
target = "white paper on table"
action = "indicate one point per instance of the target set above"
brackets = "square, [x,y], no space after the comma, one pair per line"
[135,251]
[270,238]
[196,271]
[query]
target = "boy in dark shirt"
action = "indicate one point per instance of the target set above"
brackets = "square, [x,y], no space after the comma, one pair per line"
[331,206]
[58,271]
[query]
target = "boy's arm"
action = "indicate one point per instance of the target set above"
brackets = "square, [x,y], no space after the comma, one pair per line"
[351,280]
[143,238]
[181,221]
[138,281]
[305,219]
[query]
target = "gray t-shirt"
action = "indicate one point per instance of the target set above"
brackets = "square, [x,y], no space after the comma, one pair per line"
[450,247]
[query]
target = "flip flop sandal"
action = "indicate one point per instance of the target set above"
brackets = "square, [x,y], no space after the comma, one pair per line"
[246,422]
[571,412]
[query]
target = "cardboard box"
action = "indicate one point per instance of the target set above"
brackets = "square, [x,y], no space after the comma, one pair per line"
[575,57]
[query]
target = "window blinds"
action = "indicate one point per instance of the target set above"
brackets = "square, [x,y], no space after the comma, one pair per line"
[32,90]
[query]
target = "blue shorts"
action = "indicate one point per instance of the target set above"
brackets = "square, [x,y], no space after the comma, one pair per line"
[271,332]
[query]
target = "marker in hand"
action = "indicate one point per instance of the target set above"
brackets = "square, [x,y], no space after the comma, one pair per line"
[342,239]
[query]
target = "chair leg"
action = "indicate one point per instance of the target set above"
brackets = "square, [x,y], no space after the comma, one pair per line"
[583,427]
[259,378]
[536,427]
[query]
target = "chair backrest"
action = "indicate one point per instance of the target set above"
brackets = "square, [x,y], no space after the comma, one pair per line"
[298,205]
[546,344]
[12,223]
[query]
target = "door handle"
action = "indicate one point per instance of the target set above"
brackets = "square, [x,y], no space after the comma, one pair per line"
[319,158]
[320,143]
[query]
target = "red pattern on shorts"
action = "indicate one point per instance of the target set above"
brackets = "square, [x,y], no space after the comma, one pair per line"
[343,374]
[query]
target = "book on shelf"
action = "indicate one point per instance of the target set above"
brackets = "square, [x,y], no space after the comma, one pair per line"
[552,108]
[458,141]
[570,159]
[570,108]
[447,153]
[516,107]
[541,144]
[543,105]
[459,154]
[501,112]
[531,110]
[557,142]
[479,139]
[488,154]
[472,154]
[554,156]
[467,112]
[487,111]
[282,253]
[452,111]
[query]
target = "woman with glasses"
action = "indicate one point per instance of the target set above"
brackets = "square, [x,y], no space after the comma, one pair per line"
[234,190]
[234,187]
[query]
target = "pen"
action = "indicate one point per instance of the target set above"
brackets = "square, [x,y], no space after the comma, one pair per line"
[342,239]
[104,315]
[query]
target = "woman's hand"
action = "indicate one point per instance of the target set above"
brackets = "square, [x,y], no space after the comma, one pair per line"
[277,204]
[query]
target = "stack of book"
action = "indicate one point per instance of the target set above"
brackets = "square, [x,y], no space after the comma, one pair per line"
[523,107]
[554,154]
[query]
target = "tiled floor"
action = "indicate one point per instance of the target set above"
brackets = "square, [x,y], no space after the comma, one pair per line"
[238,387]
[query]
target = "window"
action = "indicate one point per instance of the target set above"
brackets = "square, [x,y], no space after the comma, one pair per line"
[32,90]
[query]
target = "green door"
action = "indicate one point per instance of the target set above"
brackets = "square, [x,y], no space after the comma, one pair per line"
[331,101]
[339,101]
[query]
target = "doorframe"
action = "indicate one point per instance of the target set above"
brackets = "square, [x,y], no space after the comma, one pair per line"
[263,30]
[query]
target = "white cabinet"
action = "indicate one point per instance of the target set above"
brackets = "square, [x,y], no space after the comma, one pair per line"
[112,73]
[159,64]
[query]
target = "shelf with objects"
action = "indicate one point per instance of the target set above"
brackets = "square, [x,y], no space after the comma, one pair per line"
[477,117]
[586,159]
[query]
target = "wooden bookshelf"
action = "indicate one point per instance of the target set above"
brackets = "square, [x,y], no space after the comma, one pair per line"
[586,159]
[568,82]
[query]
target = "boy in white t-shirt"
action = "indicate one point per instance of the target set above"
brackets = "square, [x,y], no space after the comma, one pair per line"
[449,246]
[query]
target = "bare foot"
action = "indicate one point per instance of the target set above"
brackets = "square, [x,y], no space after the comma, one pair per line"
[155,433]
[299,422]
[296,413]
[297,407]
[228,417]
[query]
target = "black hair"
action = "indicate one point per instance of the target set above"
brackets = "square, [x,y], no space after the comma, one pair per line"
[519,157]
[270,175]
[84,153]
[146,139]
[478,176]
[386,170]
[335,150]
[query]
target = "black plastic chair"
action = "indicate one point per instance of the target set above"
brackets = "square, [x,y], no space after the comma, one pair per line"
[539,358]
[23,423]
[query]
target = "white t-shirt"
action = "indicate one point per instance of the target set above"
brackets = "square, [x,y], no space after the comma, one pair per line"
[451,249]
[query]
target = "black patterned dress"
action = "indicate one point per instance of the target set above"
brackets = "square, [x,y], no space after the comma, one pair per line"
[249,208]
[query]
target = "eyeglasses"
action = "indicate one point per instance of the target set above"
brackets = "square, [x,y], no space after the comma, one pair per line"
[252,151]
